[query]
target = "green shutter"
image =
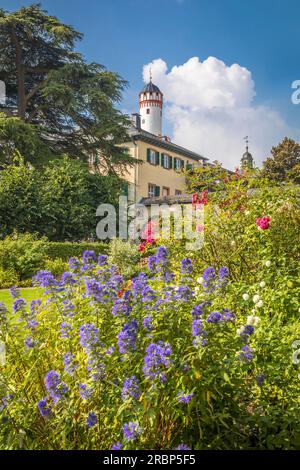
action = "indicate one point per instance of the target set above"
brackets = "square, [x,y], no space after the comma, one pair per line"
[162,159]
[182,164]
[157,158]
[189,166]
[157,191]
[125,189]
[170,162]
[174,161]
[148,155]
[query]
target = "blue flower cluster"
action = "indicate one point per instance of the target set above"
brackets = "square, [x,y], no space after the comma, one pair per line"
[131,388]
[157,360]
[127,337]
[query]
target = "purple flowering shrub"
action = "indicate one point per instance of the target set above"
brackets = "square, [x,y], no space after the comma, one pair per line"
[168,360]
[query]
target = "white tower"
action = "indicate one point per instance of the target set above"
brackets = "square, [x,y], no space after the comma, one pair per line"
[151,104]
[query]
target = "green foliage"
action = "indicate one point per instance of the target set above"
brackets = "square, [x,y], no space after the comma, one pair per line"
[125,255]
[18,137]
[20,256]
[56,266]
[59,201]
[71,103]
[67,250]
[284,162]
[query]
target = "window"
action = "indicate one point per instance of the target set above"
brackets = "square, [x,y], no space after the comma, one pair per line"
[148,110]
[178,192]
[165,191]
[152,157]
[178,164]
[143,121]
[166,161]
[153,190]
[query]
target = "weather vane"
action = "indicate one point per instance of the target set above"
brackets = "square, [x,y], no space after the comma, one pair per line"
[246,139]
[150,75]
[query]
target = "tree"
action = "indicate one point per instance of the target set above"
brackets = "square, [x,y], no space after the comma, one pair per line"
[17,136]
[71,102]
[284,162]
[58,201]
[207,177]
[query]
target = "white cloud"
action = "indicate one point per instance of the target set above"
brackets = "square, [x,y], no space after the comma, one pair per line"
[210,108]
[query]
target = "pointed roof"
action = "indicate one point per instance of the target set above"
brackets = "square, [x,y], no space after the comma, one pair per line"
[150,87]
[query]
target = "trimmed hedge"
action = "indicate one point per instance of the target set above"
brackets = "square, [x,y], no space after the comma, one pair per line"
[66,250]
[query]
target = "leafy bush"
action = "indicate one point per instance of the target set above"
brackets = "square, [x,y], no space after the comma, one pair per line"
[66,250]
[21,255]
[169,360]
[125,255]
[57,266]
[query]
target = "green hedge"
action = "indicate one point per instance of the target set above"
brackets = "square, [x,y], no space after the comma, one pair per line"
[65,250]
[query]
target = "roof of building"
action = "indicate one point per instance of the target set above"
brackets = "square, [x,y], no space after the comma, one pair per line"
[151,88]
[170,200]
[152,139]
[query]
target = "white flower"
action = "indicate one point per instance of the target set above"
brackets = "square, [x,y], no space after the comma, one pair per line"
[197,289]
[268,263]
[232,243]
[246,296]
[256,298]
[262,284]
[200,280]
[239,330]
[253,320]
[259,304]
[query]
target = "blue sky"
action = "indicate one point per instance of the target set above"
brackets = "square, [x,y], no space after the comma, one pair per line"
[260,35]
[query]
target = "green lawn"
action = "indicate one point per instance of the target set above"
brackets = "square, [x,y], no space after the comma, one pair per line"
[28,294]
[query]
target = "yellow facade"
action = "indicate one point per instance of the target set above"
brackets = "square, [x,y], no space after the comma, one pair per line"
[144,176]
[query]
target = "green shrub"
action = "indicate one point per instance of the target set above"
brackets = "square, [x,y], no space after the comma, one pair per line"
[67,250]
[22,255]
[56,266]
[125,255]
[8,278]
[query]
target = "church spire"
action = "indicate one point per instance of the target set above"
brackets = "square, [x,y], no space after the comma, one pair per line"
[247,159]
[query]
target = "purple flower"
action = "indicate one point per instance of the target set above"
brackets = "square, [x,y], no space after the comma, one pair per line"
[147,322]
[54,386]
[70,367]
[198,332]
[131,388]
[89,336]
[182,447]
[223,272]
[141,289]
[182,398]
[44,407]
[102,260]
[116,446]
[161,257]
[65,328]
[121,307]
[45,279]
[91,419]
[247,330]
[29,342]
[214,317]
[19,305]
[14,292]
[67,278]
[186,266]
[209,275]
[157,360]
[74,263]
[131,431]
[127,337]
[151,262]
[89,256]
[227,315]
[96,368]
[246,353]
[6,400]
[184,293]
[34,306]
[85,391]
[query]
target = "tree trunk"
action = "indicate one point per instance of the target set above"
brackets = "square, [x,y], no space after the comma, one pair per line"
[20,76]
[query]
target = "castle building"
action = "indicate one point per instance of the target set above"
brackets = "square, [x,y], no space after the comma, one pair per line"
[247,159]
[161,171]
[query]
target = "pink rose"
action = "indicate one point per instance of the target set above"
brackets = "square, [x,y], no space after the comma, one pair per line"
[263,223]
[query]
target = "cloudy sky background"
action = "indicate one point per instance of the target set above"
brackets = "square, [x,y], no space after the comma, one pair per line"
[209,107]
[225,66]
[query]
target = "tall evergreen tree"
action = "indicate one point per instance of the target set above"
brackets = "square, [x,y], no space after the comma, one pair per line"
[71,102]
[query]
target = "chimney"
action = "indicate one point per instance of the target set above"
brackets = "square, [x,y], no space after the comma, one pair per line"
[136,120]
